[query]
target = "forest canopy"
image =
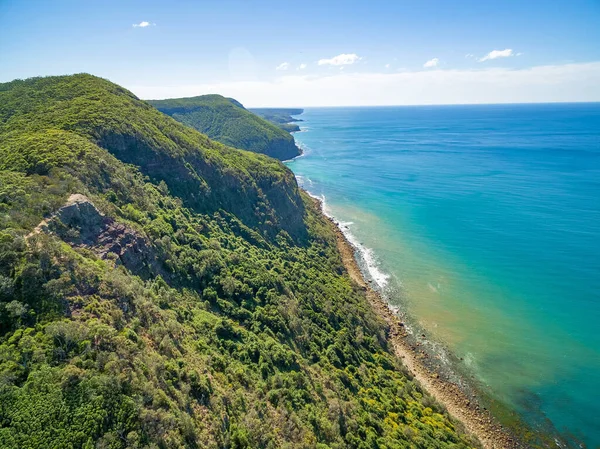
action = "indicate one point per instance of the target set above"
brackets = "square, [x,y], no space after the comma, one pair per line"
[162,290]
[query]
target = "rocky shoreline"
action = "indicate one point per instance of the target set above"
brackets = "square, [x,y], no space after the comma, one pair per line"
[461,404]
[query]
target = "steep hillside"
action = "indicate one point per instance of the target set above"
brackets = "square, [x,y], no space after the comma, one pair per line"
[206,175]
[160,290]
[227,121]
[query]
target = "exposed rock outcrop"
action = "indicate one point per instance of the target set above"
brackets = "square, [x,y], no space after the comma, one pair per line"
[81,224]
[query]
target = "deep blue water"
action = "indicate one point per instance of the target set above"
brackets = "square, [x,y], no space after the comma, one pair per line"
[482,223]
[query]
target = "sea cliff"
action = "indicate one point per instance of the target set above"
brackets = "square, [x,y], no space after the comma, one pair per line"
[160,289]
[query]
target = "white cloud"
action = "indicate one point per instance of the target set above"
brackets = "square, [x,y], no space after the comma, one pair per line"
[387,66]
[283,66]
[431,63]
[143,24]
[302,66]
[469,55]
[519,54]
[550,83]
[343,59]
[495,54]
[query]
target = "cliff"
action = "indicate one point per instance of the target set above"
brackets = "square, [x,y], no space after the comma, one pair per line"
[162,290]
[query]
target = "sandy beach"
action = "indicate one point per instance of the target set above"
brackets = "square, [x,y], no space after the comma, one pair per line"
[463,407]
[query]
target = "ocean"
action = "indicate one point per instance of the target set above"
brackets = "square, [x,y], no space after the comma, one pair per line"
[481,224]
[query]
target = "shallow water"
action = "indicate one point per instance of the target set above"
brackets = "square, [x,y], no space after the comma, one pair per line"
[483,224]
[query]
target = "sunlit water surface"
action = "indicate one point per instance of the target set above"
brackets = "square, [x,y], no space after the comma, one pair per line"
[483,224]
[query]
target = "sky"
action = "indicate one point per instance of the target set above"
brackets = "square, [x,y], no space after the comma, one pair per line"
[314,53]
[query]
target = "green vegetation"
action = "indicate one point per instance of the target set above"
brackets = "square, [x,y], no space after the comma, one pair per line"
[282,117]
[227,121]
[189,297]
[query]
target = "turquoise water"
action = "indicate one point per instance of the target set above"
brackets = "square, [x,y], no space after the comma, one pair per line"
[482,223]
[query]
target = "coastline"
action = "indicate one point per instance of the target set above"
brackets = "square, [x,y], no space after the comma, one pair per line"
[462,406]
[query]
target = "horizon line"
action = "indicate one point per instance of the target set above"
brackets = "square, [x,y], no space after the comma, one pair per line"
[420,104]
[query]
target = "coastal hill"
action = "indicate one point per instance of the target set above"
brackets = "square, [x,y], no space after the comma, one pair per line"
[227,121]
[162,290]
[281,117]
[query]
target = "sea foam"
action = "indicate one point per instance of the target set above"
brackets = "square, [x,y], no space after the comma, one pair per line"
[365,256]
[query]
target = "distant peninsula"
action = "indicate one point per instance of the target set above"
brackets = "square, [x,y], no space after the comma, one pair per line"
[227,121]
[282,117]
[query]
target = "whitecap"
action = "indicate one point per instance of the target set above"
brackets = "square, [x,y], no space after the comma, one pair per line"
[365,255]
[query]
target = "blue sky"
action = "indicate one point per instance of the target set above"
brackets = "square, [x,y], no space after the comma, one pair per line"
[314,52]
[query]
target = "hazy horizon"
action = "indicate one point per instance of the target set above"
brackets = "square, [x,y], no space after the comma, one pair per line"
[318,53]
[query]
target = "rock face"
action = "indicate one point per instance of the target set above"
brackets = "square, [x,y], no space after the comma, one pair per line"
[260,202]
[81,224]
[79,220]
